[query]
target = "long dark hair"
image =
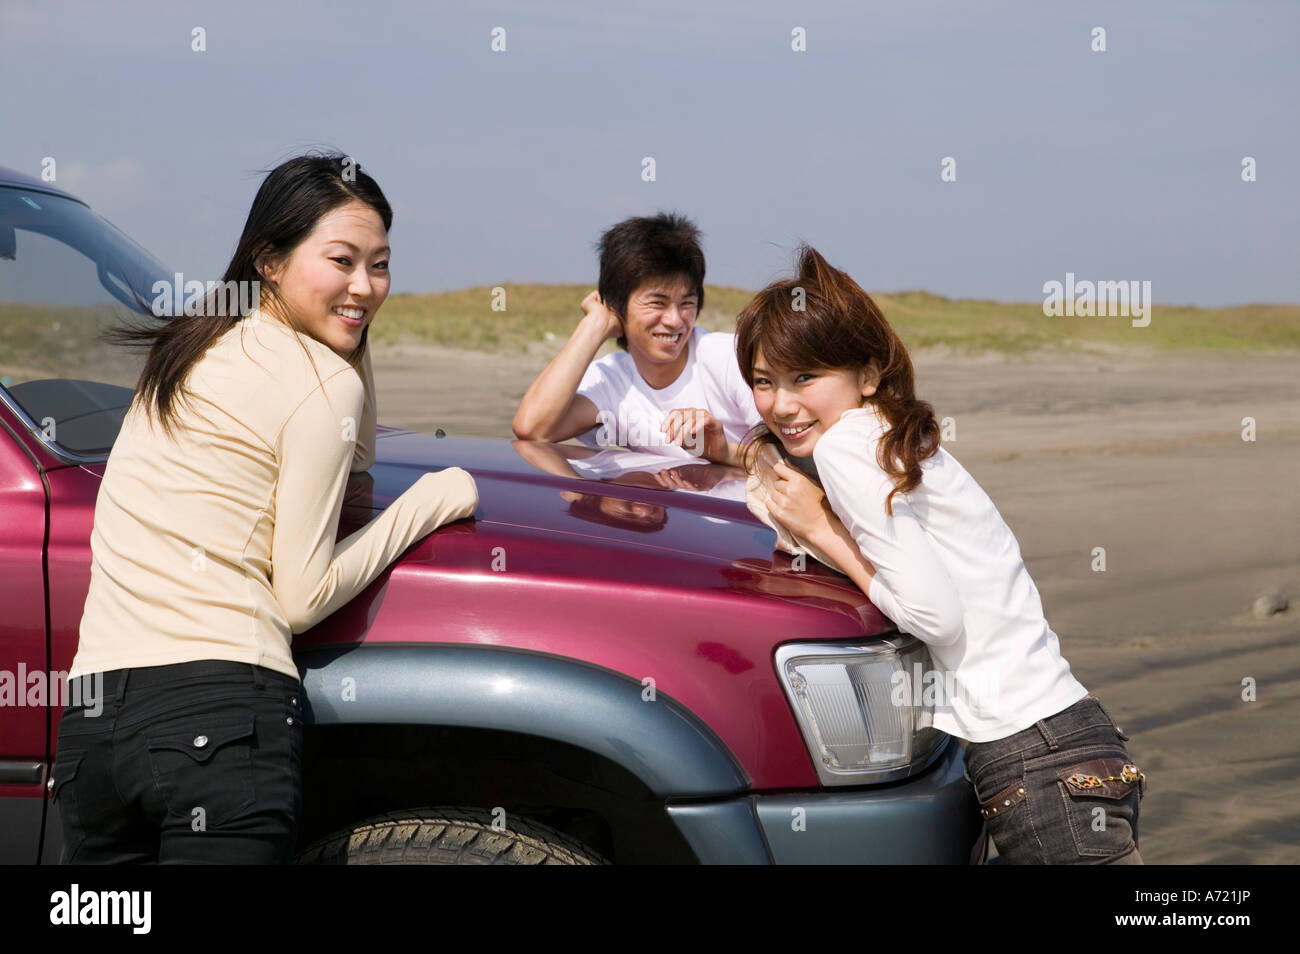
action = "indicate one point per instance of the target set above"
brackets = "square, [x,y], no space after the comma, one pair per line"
[293,197]
[822,318]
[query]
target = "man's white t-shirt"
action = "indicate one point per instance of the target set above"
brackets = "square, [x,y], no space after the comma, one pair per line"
[632,412]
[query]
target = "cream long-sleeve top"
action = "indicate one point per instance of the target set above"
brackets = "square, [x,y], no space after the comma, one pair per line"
[220,542]
[949,571]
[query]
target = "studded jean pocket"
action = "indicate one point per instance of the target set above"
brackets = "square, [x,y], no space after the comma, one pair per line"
[202,766]
[1001,791]
[1086,809]
[1100,798]
[1004,801]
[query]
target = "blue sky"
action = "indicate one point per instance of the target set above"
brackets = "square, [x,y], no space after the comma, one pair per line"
[506,166]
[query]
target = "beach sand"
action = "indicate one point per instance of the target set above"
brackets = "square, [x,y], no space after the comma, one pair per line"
[1137,453]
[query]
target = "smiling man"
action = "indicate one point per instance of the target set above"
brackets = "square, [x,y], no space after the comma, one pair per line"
[675,388]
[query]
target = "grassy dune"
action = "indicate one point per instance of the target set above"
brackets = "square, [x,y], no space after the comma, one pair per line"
[465,319]
[39,341]
[47,341]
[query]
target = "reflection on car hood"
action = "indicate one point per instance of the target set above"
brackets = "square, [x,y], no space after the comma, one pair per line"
[516,492]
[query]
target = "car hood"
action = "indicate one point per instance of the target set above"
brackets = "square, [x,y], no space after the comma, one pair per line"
[543,491]
[518,488]
[678,588]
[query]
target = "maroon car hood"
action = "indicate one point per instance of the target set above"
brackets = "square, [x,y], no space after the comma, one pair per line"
[515,493]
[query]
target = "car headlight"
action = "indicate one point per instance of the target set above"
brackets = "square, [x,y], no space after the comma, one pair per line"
[855,704]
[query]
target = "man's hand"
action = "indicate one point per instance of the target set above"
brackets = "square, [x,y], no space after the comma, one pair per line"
[691,477]
[593,309]
[798,504]
[696,430]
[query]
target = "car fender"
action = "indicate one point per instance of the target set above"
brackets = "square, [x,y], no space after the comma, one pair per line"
[651,735]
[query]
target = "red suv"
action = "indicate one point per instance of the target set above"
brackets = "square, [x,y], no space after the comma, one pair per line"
[593,668]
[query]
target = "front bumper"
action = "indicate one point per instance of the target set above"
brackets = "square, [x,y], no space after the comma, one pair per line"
[932,818]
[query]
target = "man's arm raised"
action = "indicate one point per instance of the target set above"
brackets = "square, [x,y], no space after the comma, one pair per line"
[552,408]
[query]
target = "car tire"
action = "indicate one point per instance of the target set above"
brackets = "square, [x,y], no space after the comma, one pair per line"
[447,836]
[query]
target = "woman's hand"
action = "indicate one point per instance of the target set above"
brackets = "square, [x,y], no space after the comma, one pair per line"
[798,504]
[801,506]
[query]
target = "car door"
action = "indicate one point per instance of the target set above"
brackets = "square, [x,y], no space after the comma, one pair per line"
[24,709]
[66,276]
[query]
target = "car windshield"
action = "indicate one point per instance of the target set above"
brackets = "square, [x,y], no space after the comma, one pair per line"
[66,275]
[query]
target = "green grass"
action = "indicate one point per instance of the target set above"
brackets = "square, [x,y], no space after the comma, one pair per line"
[57,341]
[923,319]
[465,319]
[40,341]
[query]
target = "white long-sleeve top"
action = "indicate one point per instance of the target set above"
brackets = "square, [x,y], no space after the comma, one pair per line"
[949,571]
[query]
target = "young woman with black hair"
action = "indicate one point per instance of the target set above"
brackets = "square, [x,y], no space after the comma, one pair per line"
[214,538]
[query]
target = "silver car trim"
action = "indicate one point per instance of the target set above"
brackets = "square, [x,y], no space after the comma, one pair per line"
[53,446]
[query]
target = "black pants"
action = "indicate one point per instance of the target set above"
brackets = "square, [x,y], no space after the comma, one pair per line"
[192,763]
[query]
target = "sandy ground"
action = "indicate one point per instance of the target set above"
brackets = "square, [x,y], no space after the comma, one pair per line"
[1142,455]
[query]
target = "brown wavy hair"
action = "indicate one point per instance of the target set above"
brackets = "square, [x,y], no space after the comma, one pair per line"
[838,327]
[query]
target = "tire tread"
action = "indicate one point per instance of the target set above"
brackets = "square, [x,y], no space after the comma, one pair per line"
[447,836]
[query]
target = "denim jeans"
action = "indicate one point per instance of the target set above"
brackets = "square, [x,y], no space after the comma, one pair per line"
[197,762]
[1063,791]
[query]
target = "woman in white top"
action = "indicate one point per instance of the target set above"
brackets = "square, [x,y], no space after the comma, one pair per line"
[214,538]
[906,522]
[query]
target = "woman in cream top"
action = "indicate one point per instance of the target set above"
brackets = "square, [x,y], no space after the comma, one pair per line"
[220,544]
[214,538]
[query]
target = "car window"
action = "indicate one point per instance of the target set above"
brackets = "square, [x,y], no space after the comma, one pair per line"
[66,274]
